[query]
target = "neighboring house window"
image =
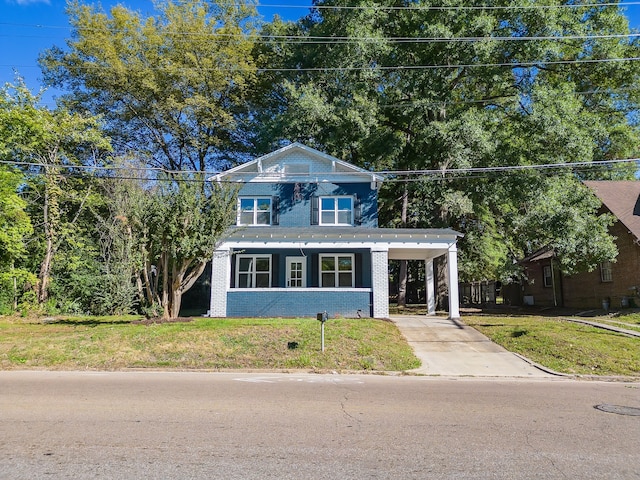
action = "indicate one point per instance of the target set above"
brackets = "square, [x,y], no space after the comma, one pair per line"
[547,276]
[254,211]
[336,210]
[605,272]
[337,270]
[253,271]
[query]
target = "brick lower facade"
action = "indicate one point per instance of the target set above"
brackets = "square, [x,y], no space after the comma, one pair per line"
[280,302]
[588,290]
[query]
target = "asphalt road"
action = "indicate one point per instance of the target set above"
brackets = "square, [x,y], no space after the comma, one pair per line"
[156,425]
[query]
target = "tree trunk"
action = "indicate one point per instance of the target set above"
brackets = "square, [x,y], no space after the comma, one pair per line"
[402,274]
[164,259]
[15,286]
[45,266]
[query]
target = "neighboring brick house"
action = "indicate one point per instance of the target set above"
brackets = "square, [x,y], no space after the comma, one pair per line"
[307,241]
[616,283]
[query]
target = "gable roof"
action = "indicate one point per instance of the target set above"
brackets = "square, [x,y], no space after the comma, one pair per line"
[297,162]
[622,198]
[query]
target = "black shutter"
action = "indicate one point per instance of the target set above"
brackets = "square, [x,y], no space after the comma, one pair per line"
[357,211]
[314,211]
[275,211]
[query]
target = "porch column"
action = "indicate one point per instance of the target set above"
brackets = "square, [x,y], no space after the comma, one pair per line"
[452,281]
[380,283]
[220,282]
[430,287]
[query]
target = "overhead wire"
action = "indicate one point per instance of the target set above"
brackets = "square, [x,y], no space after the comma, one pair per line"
[411,175]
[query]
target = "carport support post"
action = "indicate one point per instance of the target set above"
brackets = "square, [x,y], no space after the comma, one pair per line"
[452,280]
[429,285]
[380,283]
[220,278]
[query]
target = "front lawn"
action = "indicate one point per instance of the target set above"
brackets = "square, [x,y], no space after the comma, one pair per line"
[563,346]
[113,343]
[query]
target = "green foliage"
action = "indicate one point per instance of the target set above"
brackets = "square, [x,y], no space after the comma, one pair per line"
[45,141]
[566,220]
[172,86]
[15,224]
[184,219]
[376,101]
[156,237]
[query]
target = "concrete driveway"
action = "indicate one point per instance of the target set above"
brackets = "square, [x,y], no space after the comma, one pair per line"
[450,348]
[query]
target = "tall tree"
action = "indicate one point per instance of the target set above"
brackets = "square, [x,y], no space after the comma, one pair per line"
[159,235]
[396,85]
[15,227]
[171,87]
[48,142]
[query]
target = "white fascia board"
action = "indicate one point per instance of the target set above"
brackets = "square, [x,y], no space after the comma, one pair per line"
[336,177]
[335,244]
[300,289]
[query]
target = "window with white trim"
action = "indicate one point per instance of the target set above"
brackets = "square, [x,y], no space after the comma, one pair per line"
[336,210]
[337,270]
[253,271]
[254,211]
[606,274]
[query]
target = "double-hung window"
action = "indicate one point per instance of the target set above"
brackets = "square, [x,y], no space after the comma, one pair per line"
[606,275]
[254,211]
[253,271]
[547,276]
[336,210]
[337,270]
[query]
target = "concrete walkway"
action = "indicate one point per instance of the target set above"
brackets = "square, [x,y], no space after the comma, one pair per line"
[450,348]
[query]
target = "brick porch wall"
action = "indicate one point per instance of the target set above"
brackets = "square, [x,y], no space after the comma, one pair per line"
[290,302]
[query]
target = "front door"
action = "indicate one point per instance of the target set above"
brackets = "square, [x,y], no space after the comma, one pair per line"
[296,272]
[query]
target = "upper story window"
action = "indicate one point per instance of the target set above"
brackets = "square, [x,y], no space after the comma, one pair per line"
[606,275]
[254,211]
[336,210]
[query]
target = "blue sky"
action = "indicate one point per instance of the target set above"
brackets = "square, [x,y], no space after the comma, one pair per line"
[27,27]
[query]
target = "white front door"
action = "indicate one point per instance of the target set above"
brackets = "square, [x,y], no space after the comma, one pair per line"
[296,272]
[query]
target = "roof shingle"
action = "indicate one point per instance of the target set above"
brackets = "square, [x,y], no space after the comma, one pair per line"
[622,198]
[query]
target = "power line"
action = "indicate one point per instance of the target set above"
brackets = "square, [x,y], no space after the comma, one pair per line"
[374,67]
[348,40]
[323,39]
[449,8]
[391,175]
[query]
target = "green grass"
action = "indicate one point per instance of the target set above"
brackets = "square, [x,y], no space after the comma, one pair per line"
[563,346]
[112,343]
[628,321]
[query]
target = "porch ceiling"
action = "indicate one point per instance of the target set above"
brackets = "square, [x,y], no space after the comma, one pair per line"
[416,253]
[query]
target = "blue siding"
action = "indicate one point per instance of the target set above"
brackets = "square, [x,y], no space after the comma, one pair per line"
[295,199]
[298,303]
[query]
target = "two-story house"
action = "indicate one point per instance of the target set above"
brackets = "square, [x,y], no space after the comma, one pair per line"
[307,241]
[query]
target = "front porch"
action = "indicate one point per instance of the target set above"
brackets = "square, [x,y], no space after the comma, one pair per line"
[359,258]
